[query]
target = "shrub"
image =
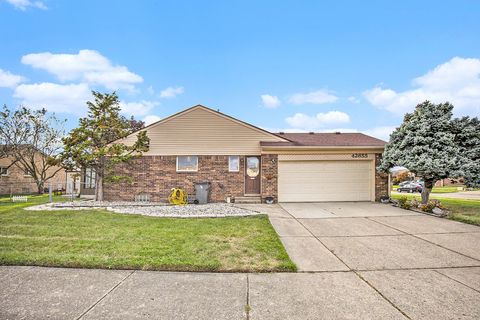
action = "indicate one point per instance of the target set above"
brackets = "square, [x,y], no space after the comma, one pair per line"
[404,203]
[428,207]
[414,203]
[437,204]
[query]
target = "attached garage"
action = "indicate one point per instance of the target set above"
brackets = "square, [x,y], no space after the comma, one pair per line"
[325,180]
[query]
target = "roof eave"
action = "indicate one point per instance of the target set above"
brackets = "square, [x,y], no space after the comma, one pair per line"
[320,147]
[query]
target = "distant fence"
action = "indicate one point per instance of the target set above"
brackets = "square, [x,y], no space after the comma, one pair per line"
[56,188]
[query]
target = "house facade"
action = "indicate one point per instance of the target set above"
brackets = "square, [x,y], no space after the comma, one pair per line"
[240,160]
[15,180]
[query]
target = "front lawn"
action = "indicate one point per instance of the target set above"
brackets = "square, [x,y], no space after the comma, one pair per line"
[463,210]
[101,239]
[436,189]
[444,189]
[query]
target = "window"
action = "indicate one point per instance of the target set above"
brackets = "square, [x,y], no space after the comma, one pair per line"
[26,173]
[3,171]
[234,163]
[90,178]
[187,163]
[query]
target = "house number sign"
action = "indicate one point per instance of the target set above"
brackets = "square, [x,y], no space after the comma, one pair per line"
[360,155]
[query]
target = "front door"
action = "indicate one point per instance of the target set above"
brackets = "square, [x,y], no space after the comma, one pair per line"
[252,175]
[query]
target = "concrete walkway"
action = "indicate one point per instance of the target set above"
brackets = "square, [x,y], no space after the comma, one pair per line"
[356,260]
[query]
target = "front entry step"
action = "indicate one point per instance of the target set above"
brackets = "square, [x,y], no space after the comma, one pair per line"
[248,199]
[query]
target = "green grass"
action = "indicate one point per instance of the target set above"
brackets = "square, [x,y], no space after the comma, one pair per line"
[444,189]
[101,239]
[437,189]
[463,210]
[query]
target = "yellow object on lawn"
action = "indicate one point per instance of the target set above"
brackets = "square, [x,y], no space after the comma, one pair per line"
[178,196]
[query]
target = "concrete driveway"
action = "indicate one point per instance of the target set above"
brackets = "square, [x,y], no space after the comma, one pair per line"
[356,261]
[426,267]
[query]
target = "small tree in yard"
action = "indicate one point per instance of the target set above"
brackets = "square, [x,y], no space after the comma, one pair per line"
[97,144]
[425,144]
[32,139]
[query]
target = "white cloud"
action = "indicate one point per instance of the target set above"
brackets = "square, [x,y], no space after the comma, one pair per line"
[150,90]
[151,119]
[9,80]
[333,117]
[306,122]
[270,101]
[353,99]
[68,98]
[24,4]
[456,81]
[380,132]
[138,108]
[315,97]
[87,66]
[276,130]
[171,92]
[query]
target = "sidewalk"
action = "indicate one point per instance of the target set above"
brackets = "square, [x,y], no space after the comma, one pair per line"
[59,293]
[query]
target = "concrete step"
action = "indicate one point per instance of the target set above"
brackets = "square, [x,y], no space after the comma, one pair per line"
[248,199]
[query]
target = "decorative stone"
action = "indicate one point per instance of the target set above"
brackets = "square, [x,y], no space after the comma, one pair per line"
[438,211]
[210,210]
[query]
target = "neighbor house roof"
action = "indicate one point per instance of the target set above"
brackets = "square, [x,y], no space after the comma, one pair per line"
[317,139]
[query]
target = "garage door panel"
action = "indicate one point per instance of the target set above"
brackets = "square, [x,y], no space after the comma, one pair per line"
[324,181]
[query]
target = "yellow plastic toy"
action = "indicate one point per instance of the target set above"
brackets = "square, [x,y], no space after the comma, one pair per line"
[178,196]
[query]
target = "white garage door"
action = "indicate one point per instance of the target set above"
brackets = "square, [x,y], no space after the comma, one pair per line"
[324,181]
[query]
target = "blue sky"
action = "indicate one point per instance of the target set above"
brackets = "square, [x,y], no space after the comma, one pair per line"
[281,65]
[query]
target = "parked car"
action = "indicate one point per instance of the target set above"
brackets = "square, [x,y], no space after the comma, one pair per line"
[420,182]
[401,184]
[410,187]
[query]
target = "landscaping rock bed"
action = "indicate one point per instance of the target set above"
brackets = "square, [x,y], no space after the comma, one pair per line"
[211,210]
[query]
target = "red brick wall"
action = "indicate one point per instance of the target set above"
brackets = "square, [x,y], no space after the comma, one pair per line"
[156,175]
[269,183]
[381,180]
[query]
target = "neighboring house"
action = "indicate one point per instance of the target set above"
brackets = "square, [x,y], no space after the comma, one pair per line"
[240,160]
[449,182]
[14,180]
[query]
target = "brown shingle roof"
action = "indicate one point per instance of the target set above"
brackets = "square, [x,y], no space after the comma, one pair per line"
[327,140]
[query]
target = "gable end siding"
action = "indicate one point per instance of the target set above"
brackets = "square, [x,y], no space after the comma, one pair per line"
[203,132]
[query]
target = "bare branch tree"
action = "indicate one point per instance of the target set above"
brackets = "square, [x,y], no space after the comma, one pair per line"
[32,139]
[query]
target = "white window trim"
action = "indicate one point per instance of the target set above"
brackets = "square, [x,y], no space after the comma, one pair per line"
[5,174]
[238,168]
[187,170]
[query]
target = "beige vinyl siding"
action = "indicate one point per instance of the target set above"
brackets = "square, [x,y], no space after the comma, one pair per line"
[200,131]
[329,180]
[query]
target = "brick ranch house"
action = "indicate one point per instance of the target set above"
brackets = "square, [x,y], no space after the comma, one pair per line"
[15,180]
[240,160]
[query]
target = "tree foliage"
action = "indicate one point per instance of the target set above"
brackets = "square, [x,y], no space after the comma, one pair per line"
[32,139]
[425,143]
[402,176]
[467,137]
[97,142]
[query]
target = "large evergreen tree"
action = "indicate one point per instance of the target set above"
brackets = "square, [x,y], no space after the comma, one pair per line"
[467,137]
[425,144]
[96,143]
